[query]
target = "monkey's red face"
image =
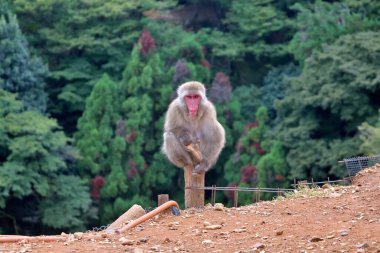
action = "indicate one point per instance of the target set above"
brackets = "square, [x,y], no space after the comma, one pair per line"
[192,102]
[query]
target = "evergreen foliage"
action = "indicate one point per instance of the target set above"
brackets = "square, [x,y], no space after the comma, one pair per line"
[335,93]
[81,40]
[33,174]
[256,27]
[274,86]
[144,90]
[100,139]
[20,72]
[324,22]
[260,159]
[370,136]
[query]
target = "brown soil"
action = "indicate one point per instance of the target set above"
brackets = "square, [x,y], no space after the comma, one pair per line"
[329,219]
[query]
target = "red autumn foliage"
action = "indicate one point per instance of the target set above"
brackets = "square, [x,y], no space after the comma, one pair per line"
[206,63]
[258,148]
[131,136]
[230,194]
[133,169]
[251,125]
[96,184]
[279,177]
[248,174]
[146,40]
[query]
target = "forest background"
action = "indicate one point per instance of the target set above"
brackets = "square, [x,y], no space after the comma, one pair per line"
[84,86]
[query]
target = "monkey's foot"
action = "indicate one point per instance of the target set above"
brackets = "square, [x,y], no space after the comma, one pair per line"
[199,169]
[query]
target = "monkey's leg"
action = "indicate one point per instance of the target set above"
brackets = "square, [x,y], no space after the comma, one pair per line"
[175,151]
[201,167]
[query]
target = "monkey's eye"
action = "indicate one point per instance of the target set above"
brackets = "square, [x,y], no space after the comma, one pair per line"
[193,96]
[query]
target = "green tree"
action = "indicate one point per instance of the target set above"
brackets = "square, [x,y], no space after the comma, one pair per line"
[274,86]
[144,91]
[370,136]
[251,25]
[100,138]
[20,72]
[324,22]
[261,159]
[335,93]
[81,40]
[39,188]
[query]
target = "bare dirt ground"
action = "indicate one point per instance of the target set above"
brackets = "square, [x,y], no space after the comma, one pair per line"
[329,219]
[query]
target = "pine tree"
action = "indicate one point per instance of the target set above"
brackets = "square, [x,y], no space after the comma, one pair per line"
[100,139]
[143,96]
[20,72]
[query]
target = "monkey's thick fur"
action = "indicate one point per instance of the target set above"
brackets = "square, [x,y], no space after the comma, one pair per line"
[205,134]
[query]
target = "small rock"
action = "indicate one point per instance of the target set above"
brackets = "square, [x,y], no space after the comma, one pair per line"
[279,232]
[325,186]
[344,233]
[258,245]
[213,227]
[78,235]
[362,245]
[173,225]
[144,239]
[240,230]
[139,228]
[219,207]
[330,236]
[206,223]
[155,248]
[225,235]
[316,239]
[126,241]
[70,238]
[207,242]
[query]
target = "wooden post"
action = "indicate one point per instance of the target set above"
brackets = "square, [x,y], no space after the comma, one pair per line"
[162,198]
[194,198]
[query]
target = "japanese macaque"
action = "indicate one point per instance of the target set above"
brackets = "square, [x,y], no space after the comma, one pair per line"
[192,134]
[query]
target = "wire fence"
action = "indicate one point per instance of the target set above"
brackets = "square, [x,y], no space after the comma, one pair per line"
[356,164]
[237,189]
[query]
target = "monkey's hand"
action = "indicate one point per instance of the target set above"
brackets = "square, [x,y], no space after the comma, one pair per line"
[203,166]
